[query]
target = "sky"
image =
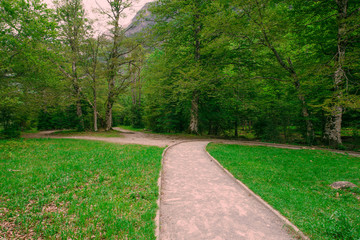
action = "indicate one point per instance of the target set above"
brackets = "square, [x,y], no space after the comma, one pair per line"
[100,21]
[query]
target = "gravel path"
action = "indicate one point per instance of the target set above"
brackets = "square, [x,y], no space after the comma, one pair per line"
[199,201]
[128,137]
[131,137]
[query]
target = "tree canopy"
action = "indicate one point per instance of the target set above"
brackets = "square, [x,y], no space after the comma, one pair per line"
[269,69]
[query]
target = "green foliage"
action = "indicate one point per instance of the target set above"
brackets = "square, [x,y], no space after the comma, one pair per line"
[136,116]
[296,182]
[267,66]
[57,119]
[26,75]
[11,131]
[78,189]
[270,64]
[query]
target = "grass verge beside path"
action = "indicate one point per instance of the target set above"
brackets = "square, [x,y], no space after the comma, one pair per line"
[296,183]
[64,188]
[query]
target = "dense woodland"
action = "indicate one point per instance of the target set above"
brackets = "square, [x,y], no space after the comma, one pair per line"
[285,71]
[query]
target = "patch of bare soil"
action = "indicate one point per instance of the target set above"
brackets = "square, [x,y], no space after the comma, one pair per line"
[9,229]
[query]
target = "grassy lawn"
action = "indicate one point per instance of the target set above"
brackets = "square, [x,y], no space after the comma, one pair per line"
[66,133]
[76,189]
[296,182]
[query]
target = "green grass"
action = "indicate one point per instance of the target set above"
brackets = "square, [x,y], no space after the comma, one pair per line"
[62,189]
[131,128]
[111,133]
[296,182]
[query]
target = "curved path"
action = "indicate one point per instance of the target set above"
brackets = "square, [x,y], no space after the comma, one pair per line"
[131,137]
[128,137]
[200,201]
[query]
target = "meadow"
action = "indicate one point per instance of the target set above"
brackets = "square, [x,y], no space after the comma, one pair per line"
[62,189]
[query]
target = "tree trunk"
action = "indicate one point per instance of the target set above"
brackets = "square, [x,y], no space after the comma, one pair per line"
[194,118]
[310,135]
[333,127]
[332,132]
[139,88]
[79,112]
[80,115]
[236,128]
[95,112]
[108,115]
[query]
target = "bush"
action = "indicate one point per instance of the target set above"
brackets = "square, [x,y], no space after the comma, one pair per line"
[11,132]
[267,129]
[136,116]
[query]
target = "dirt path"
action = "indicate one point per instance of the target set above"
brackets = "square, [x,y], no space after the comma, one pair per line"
[287,146]
[132,137]
[200,201]
[128,137]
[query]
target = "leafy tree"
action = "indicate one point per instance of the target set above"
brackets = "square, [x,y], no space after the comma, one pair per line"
[331,30]
[93,67]
[74,28]
[118,60]
[179,28]
[27,27]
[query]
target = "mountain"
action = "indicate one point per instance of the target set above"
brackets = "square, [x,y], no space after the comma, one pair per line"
[141,21]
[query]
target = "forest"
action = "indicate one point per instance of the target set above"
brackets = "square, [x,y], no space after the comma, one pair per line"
[273,70]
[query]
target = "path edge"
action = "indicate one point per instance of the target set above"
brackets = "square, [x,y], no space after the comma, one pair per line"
[293,229]
[160,179]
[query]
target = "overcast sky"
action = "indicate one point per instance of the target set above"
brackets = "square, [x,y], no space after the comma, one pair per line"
[100,24]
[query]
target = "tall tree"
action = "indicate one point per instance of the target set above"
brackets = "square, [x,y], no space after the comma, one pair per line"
[118,60]
[346,14]
[93,65]
[330,31]
[180,25]
[74,29]
[26,30]
[272,31]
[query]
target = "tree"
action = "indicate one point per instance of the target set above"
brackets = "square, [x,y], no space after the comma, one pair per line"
[270,22]
[179,28]
[74,27]
[26,30]
[347,24]
[93,49]
[331,28]
[118,60]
